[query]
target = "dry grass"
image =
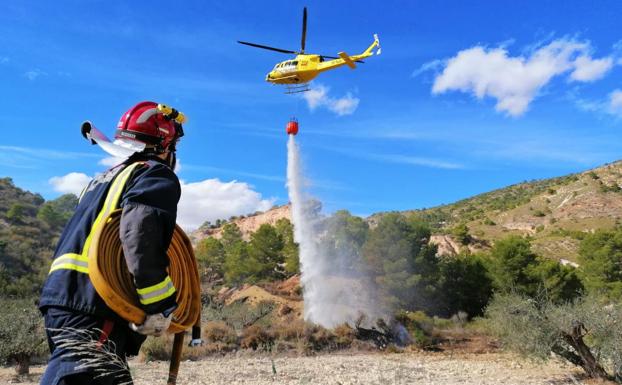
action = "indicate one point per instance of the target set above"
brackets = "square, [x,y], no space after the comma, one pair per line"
[218,331]
[255,337]
[218,337]
[100,358]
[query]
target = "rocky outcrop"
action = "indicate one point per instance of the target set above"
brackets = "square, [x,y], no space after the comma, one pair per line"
[247,225]
[445,244]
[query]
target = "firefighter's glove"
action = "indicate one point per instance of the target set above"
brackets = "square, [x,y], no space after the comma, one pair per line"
[154,325]
[195,342]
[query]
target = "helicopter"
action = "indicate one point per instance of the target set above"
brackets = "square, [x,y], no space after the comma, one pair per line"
[296,73]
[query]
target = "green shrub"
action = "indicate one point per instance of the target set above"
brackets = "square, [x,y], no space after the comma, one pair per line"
[614,187]
[156,348]
[461,232]
[585,332]
[465,285]
[600,255]
[210,254]
[489,222]
[421,339]
[420,327]
[22,334]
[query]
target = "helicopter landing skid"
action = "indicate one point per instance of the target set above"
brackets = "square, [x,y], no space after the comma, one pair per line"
[297,88]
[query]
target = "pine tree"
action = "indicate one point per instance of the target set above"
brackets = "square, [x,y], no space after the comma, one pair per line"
[600,256]
[290,248]
[265,251]
[210,254]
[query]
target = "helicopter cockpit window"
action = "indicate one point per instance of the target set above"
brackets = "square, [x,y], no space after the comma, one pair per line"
[295,63]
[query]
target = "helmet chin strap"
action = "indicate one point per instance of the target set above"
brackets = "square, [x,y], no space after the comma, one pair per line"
[171,160]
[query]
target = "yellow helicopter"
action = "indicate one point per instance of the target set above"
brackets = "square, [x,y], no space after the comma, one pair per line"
[296,73]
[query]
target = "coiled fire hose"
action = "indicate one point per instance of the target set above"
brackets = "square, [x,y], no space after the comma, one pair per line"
[112,280]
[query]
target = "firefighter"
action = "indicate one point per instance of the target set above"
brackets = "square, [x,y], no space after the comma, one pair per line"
[147,191]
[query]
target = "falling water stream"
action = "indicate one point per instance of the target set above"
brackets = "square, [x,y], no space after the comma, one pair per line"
[332,296]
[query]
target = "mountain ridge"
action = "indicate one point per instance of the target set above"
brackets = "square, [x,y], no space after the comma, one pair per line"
[553,212]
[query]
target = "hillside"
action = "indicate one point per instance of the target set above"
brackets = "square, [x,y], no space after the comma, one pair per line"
[553,212]
[29,227]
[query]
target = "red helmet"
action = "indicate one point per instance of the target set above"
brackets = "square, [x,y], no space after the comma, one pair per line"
[152,124]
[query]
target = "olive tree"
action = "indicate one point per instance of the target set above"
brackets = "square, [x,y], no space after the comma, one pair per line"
[22,333]
[585,332]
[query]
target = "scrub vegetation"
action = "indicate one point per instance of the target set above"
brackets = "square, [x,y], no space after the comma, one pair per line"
[502,278]
[29,228]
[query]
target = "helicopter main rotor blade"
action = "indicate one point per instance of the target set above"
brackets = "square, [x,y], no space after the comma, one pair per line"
[304,30]
[266,47]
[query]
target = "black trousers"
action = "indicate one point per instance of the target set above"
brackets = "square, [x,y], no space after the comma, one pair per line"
[87,350]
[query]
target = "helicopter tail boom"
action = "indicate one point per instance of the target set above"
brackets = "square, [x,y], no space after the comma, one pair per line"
[345,59]
[374,48]
[370,50]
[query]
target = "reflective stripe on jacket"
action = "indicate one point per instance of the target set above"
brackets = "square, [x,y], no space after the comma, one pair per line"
[148,192]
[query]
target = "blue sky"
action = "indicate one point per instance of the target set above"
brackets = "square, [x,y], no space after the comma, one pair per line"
[467,96]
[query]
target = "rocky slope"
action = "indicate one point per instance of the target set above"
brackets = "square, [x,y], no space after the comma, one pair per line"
[248,224]
[553,212]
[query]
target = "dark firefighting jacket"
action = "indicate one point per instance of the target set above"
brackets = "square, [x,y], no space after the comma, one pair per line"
[148,191]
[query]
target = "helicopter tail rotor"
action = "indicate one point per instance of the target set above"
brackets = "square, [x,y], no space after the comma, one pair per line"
[370,50]
[377,42]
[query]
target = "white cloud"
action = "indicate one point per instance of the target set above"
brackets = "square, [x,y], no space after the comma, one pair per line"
[32,75]
[318,96]
[429,66]
[110,161]
[212,199]
[514,81]
[72,183]
[611,105]
[202,201]
[615,102]
[588,69]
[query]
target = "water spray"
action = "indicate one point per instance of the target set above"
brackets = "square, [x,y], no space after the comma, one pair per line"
[332,294]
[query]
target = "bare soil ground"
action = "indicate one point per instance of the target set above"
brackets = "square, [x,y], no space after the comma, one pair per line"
[349,369]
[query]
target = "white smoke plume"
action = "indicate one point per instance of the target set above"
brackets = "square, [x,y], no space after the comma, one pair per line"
[335,287]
